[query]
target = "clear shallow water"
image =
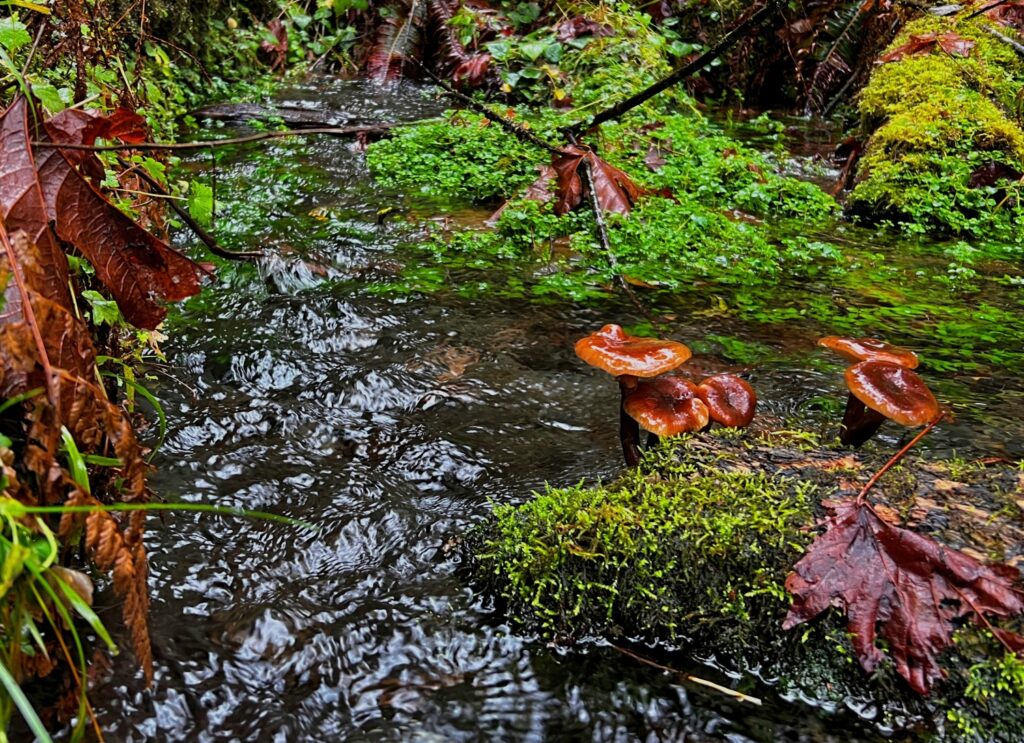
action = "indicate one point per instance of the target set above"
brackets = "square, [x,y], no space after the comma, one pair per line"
[392,424]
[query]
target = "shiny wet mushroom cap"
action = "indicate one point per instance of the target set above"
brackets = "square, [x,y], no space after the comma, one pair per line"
[667,406]
[894,391]
[615,352]
[730,400]
[870,349]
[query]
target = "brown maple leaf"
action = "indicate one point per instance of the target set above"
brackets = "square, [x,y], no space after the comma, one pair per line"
[616,191]
[900,584]
[949,42]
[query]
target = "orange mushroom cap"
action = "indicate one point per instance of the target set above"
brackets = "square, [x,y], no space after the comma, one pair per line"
[731,401]
[894,391]
[870,349]
[615,352]
[667,406]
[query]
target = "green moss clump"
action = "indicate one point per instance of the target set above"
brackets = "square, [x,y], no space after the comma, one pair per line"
[464,156]
[936,119]
[672,549]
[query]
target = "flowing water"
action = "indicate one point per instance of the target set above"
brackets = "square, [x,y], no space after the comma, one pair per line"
[393,423]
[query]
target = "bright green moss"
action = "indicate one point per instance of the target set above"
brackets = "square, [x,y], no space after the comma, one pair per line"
[675,547]
[936,120]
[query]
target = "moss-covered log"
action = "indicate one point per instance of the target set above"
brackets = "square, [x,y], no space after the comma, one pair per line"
[938,122]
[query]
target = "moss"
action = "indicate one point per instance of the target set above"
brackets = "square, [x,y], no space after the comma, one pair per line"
[694,547]
[667,550]
[935,120]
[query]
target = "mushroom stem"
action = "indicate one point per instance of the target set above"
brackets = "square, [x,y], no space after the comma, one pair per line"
[652,440]
[859,422]
[629,429]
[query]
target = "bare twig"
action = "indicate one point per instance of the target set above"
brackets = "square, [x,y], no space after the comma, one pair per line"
[602,236]
[209,240]
[613,112]
[1017,46]
[336,131]
[738,695]
[510,126]
[987,8]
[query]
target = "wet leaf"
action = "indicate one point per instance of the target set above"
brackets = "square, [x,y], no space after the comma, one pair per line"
[616,191]
[472,72]
[902,585]
[582,26]
[949,42]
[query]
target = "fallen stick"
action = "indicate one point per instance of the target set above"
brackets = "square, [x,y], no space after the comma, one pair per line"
[336,131]
[727,41]
[508,125]
[209,240]
[738,695]
[602,236]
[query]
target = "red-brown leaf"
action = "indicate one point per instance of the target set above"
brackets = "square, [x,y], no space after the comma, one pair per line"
[140,271]
[582,26]
[472,72]
[949,42]
[616,192]
[278,48]
[539,190]
[22,208]
[897,583]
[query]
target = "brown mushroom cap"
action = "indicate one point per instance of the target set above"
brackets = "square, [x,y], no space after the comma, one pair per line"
[894,391]
[615,352]
[730,400]
[870,349]
[667,406]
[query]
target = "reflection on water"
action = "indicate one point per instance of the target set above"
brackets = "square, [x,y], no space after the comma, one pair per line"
[393,424]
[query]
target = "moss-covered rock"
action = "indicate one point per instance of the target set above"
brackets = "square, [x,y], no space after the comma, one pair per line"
[691,551]
[934,121]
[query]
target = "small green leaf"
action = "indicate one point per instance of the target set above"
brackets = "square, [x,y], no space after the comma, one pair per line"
[533,49]
[13,34]
[103,310]
[200,203]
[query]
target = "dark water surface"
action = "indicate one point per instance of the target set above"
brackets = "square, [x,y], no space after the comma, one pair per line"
[393,424]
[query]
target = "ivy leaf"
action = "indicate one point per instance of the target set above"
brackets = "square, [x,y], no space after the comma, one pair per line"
[900,584]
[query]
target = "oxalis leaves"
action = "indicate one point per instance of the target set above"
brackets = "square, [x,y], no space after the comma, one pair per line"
[904,586]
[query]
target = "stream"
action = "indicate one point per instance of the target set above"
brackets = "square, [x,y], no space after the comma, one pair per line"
[392,423]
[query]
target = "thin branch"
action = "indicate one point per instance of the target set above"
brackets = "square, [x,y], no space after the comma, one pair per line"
[738,695]
[1017,46]
[727,41]
[898,456]
[209,240]
[337,131]
[602,236]
[510,126]
[986,9]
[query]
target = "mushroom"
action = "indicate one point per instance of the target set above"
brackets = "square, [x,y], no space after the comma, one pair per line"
[667,406]
[628,357]
[859,421]
[731,401]
[885,390]
[870,349]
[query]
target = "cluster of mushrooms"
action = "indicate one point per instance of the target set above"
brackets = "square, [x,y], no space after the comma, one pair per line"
[882,386]
[663,406]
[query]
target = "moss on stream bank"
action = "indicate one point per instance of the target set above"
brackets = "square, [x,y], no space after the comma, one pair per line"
[691,551]
[935,120]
